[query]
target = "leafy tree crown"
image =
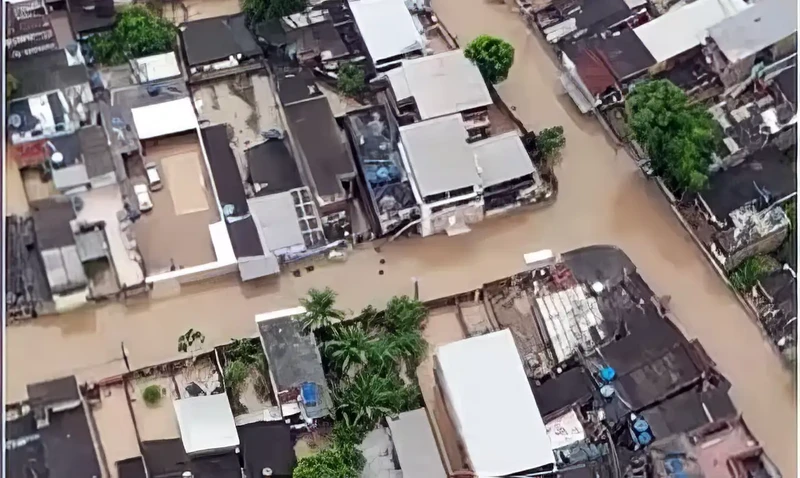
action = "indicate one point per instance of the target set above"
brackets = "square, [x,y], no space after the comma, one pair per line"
[493,57]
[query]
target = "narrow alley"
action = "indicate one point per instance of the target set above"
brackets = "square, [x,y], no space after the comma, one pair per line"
[603,199]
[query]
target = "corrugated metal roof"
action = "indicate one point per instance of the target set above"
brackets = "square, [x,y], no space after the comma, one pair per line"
[502,158]
[682,28]
[764,24]
[386,27]
[439,155]
[441,84]
[276,220]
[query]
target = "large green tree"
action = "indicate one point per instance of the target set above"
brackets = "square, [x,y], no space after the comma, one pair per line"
[680,138]
[320,309]
[362,401]
[139,31]
[260,10]
[493,57]
[349,346]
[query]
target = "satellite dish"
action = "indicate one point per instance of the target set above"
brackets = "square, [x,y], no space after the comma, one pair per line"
[14,120]
[57,158]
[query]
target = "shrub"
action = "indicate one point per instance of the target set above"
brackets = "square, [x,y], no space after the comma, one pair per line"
[152,395]
[339,461]
[351,81]
[749,272]
[550,142]
[493,57]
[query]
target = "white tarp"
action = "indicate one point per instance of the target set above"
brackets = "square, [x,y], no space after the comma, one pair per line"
[163,119]
[564,430]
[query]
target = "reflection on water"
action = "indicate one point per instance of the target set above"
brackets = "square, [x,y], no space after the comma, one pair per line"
[603,200]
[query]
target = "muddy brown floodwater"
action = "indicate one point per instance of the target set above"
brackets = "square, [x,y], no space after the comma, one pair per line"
[603,200]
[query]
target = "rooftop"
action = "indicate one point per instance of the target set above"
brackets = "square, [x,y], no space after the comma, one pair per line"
[63,448]
[685,26]
[167,459]
[502,158]
[441,84]
[206,424]
[375,136]
[215,39]
[267,445]
[581,18]
[51,219]
[272,167]
[472,371]
[387,28]
[318,137]
[439,156]
[292,355]
[164,118]
[623,53]
[64,69]
[754,29]
[781,288]
[88,16]
[95,151]
[787,82]
[689,411]
[277,221]
[572,387]
[156,67]
[417,452]
[768,175]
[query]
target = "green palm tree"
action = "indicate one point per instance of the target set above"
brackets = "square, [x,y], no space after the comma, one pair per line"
[362,401]
[404,314]
[348,346]
[320,310]
[407,345]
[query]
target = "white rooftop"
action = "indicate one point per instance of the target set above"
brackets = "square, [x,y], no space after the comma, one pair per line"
[492,405]
[386,27]
[279,314]
[417,452]
[439,156]
[764,24]
[163,119]
[206,424]
[502,158]
[156,67]
[276,220]
[685,26]
[441,84]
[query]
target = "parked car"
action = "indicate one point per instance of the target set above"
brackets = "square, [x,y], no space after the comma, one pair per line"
[143,196]
[153,176]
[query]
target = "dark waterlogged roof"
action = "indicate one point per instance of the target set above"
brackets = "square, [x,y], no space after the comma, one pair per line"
[31,80]
[270,163]
[214,39]
[767,170]
[267,445]
[51,218]
[570,388]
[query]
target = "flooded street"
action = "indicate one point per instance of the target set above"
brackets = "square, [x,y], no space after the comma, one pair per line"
[603,199]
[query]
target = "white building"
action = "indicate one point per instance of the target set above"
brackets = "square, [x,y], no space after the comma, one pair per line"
[489,400]
[388,30]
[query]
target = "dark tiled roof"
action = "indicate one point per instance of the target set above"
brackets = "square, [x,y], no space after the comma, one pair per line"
[767,170]
[570,388]
[686,412]
[54,391]
[69,445]
[95,150]
[31,80]
[624,53]
[131,468]
[787,82]
[270,163]
[102,15]
[317,135]
[217,466]
[293,355]
[245,239]
[165,458]
[297,87]
[51,219]
[267,445]
[214,39]
[227,178]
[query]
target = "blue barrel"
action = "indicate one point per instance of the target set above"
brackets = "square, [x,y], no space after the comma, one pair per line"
[608,374]
[640,425]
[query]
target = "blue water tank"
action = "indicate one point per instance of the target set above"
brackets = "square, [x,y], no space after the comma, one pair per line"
[640,425]
[608,374]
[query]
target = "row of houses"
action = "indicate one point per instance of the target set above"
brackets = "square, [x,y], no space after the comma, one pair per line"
[736,58]
[240,145]
[568,369]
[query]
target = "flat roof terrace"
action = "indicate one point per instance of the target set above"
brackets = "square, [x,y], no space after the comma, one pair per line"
[176,231]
